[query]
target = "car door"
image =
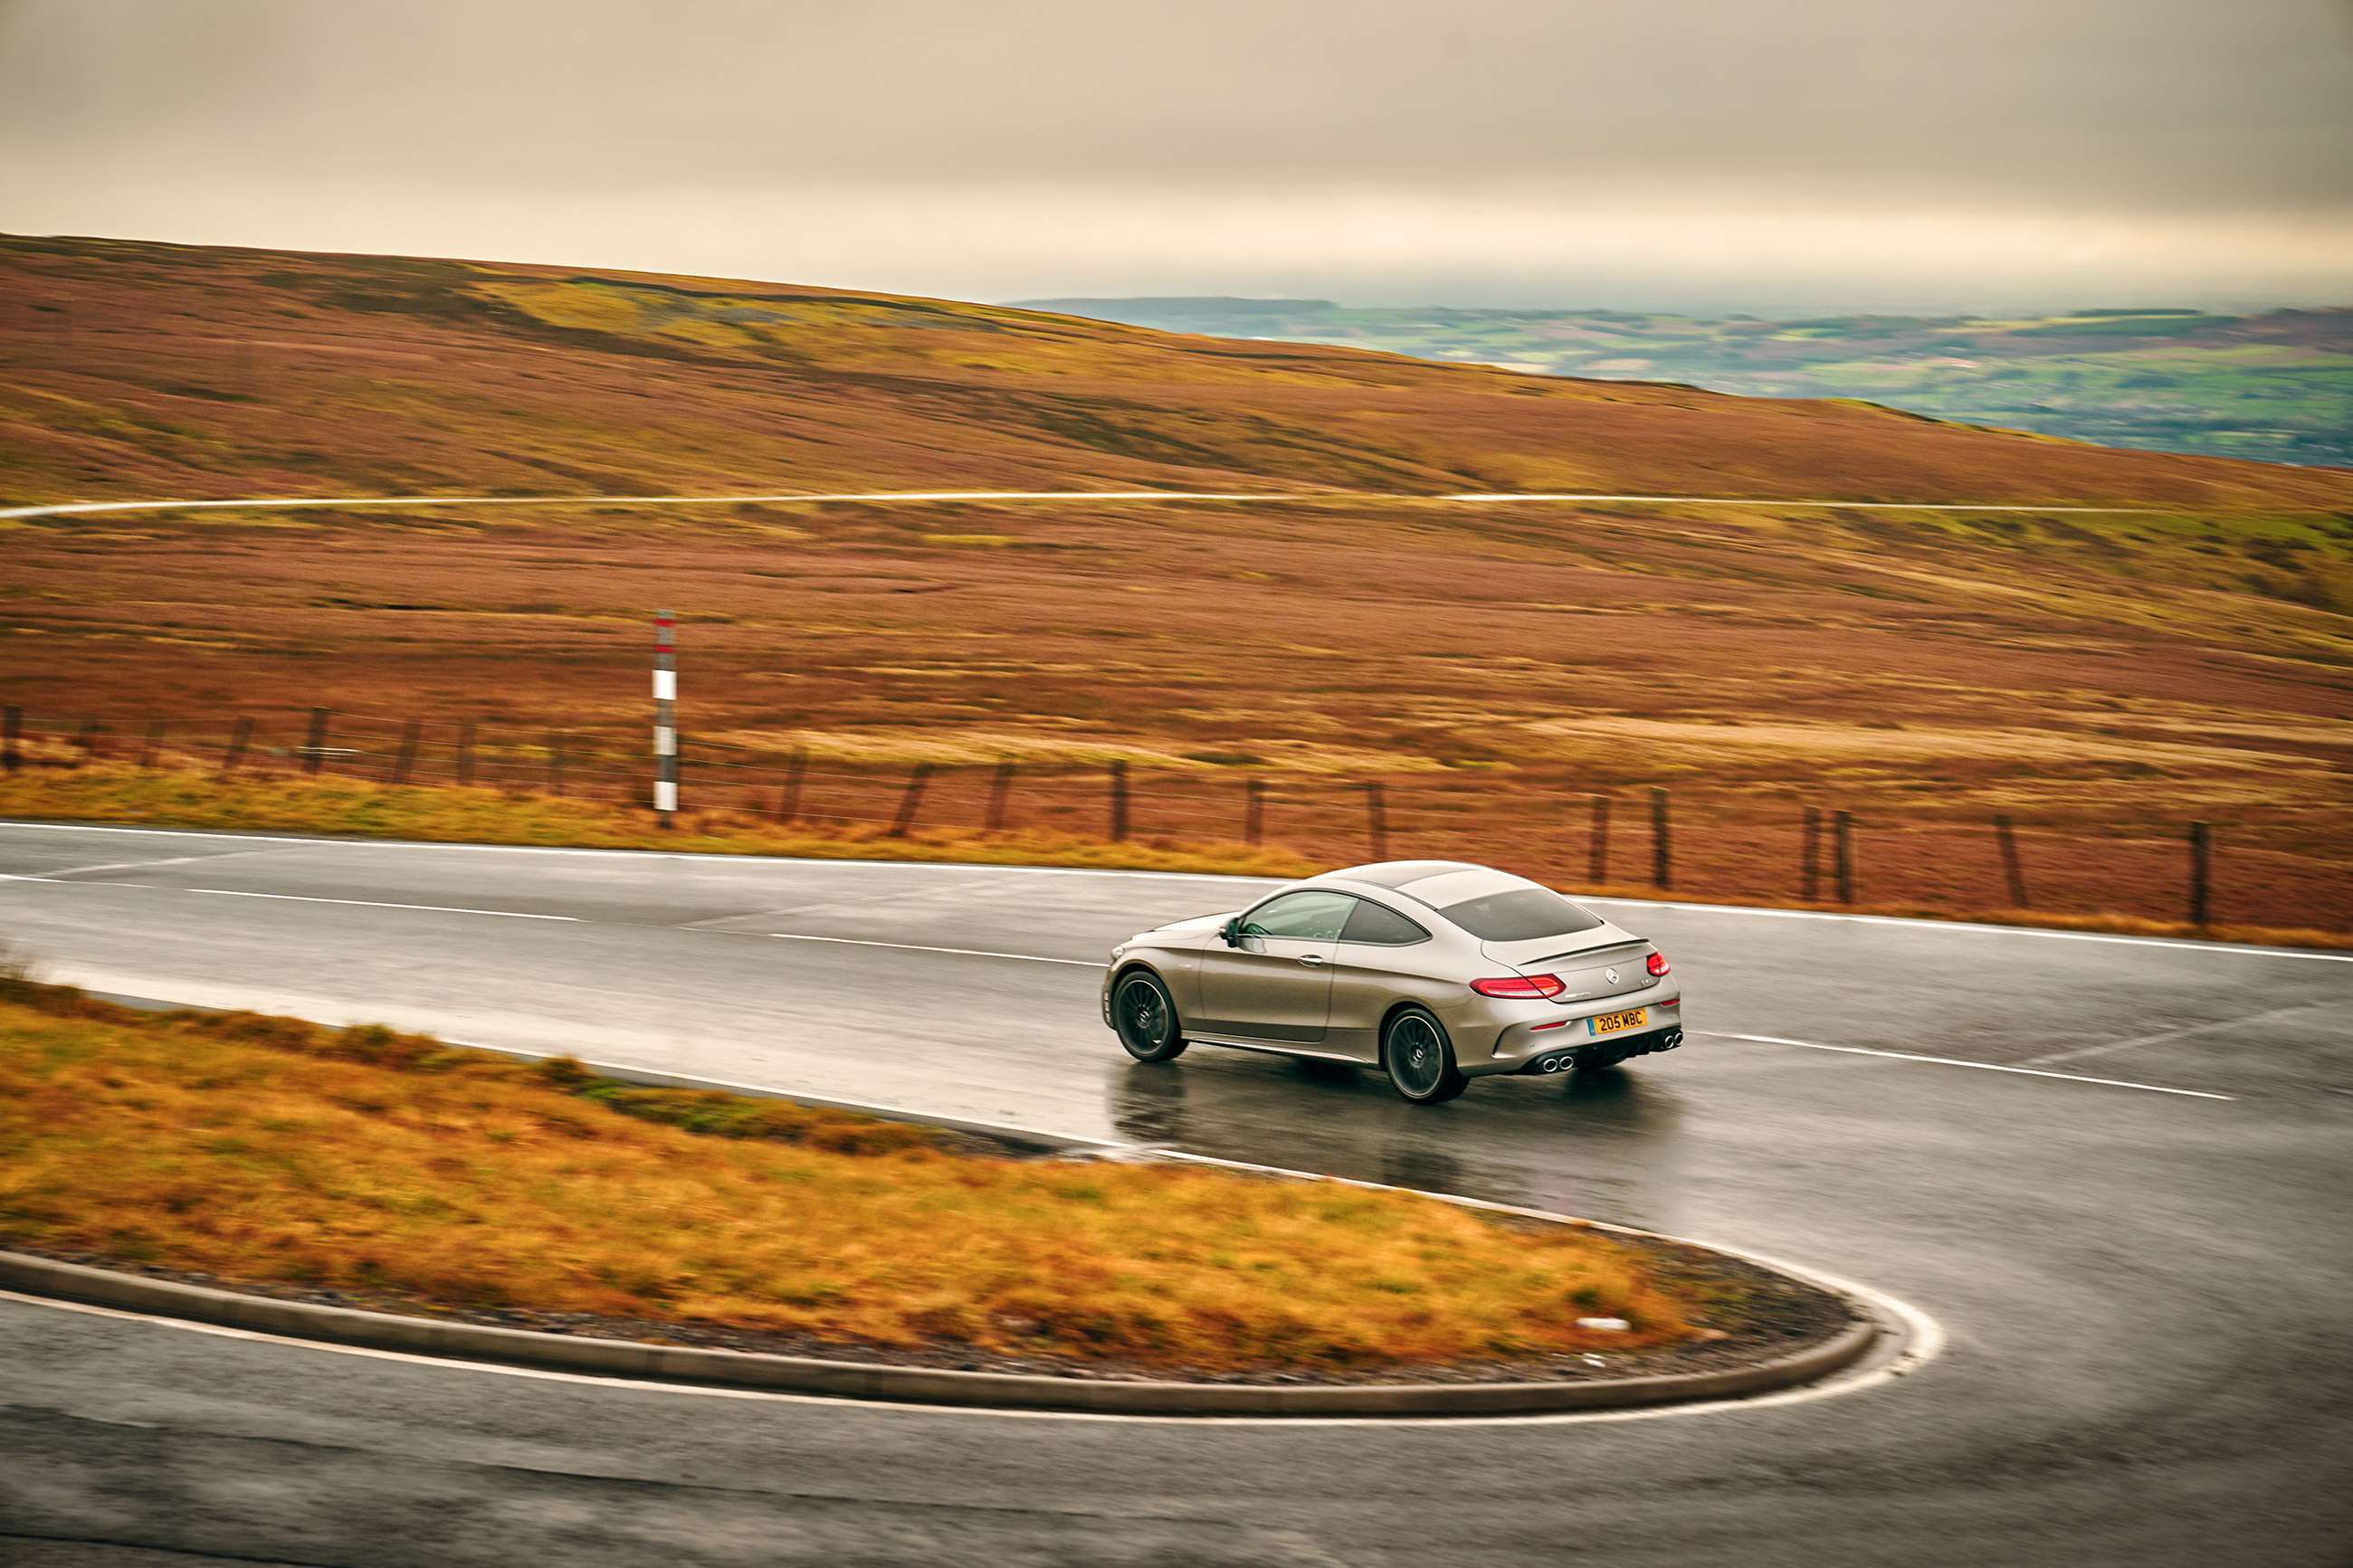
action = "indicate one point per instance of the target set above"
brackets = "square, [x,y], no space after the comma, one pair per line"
[1274,982]
[1382,955]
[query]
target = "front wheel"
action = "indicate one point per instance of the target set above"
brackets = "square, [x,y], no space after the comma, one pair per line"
[1420,1058]
[1145,1016]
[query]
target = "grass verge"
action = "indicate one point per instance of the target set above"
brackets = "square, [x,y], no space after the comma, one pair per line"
[374,1168]
[353,808]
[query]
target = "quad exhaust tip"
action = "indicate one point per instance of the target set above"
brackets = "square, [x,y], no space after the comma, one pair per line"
[1566,1060]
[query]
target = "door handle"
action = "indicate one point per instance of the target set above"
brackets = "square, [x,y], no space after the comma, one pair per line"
[1311,958]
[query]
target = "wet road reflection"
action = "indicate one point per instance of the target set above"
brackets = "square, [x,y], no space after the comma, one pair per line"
[1607,1145]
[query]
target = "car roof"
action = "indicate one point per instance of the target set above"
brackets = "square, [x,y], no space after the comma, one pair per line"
[1435,883]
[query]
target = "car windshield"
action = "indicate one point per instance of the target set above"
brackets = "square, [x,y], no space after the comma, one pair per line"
[1520,914]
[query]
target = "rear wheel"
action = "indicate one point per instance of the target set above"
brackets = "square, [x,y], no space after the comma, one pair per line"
[1145,1016]
[1420,1058]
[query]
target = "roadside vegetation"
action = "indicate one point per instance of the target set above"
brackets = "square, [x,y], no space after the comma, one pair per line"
[448,814]
[392,1171]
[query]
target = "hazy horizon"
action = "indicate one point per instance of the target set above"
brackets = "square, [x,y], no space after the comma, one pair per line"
[1700,157]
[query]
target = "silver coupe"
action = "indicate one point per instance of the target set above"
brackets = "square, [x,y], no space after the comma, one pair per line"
[1434,971]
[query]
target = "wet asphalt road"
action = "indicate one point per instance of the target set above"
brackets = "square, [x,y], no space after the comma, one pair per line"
[2146,1291]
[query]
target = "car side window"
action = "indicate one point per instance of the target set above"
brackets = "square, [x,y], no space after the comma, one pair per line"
[1306,916]
[1374,923]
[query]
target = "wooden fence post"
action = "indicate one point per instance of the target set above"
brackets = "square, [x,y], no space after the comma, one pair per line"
[1843,826]
[788,802]
[239,737]
[1118,802]
[1597,845]
[2201,849]
[1253,811]
[1662,852]
[919,775]
[12,739]
[555,761]
[1377,819]
[88,741]
[314,749]
[407,758]
[152,744]
[2012,872]
[1811,855]
[1000,786]
[466,753]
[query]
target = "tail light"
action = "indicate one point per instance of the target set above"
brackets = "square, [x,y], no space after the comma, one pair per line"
[1525,987]
[1657,964]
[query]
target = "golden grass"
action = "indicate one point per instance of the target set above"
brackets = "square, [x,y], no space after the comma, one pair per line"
[279,1154]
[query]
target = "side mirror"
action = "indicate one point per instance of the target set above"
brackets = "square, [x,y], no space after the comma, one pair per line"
[1232,931]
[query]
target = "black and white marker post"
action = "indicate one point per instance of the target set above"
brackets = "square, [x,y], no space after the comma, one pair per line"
[665,717]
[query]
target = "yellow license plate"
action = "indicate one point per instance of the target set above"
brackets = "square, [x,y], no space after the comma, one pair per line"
[1612,1023]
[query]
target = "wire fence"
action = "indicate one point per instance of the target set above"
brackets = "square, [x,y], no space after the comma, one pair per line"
[1688,842]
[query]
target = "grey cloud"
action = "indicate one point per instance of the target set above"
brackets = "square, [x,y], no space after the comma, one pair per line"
[2164,108]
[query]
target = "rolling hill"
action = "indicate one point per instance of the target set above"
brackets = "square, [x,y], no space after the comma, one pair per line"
[153,369]
[2277,385]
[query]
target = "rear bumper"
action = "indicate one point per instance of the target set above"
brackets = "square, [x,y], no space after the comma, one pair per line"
[1609,1047]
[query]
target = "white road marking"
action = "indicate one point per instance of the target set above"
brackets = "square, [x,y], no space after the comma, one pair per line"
[381,904]
[2164,1034]
[1917,923]
[1957,1062]
[646,856]
[918,947]
[2217,949]
[286,503]
[144,864]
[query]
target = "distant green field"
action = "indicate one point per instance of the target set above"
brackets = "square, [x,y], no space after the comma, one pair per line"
[2277,386]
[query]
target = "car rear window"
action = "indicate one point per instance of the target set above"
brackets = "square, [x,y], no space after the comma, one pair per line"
[1520,914]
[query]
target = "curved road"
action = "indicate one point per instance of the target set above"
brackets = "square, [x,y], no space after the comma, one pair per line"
[2133,1232]
[286,503]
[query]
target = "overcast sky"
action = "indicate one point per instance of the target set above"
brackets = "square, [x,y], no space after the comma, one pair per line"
[1764,155]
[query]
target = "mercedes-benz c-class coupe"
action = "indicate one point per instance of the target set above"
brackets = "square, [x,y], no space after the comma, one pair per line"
[1434,971]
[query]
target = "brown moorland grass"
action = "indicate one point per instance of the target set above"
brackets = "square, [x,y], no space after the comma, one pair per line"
[2099,679]
[188,798]
[394,1168]
[142,369]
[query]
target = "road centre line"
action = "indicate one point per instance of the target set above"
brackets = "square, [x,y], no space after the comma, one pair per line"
[382,904]
[918,947]
[1982,927]
[2162,1036]
[1958,1062]
[145,865]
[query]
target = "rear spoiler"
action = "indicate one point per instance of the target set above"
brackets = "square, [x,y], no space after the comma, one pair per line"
[1590,955]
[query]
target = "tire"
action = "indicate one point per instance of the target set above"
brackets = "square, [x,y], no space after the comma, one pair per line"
[1420,1058]
[1144,1015]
